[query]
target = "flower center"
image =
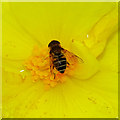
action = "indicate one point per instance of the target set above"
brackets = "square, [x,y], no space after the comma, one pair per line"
[39,66]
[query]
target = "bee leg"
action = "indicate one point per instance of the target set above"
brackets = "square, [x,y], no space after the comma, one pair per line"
[54,75]
[50,69]
[52,72]
[46,58]
[68,63]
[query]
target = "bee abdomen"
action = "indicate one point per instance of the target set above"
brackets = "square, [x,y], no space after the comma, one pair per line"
[60,64]
[58,56]
[62,68]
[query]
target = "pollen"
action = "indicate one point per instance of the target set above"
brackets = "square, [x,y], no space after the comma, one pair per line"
[38,64]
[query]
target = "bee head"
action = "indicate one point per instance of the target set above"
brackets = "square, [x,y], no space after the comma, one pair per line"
[53,43]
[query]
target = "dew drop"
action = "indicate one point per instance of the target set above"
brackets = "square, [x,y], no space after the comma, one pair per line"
[23,74]
[87,35]
[22,70]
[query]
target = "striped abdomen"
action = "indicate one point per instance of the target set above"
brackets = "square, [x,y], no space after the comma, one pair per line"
[59,62]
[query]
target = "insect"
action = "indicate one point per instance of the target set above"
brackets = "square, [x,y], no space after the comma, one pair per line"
[58,57]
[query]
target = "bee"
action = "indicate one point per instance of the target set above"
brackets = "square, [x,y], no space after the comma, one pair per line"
[58,58]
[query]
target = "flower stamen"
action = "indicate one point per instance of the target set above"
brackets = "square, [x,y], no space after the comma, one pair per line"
[39,66]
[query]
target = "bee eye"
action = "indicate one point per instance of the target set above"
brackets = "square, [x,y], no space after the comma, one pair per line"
[53,42]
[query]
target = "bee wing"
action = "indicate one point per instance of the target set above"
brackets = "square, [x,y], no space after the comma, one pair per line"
[72,56]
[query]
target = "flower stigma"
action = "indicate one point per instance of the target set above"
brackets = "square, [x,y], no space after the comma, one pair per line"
[39,66]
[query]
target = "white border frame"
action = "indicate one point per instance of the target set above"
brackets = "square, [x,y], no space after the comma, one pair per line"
[60,0]
[1,60]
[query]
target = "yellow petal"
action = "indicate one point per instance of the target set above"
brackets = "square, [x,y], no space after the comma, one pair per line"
[16,43]
[109,58]
[16,90]
[39,23]
[101,32]
[62,21]
[96,97]
[23,29]
[90,65]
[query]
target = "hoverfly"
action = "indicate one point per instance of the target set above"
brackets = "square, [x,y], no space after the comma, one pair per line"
[58,57]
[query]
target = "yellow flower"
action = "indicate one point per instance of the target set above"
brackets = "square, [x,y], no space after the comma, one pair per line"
[91,92]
